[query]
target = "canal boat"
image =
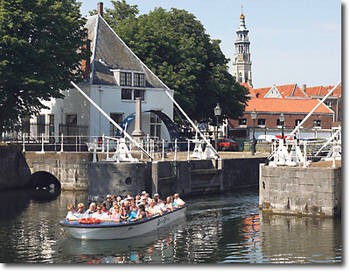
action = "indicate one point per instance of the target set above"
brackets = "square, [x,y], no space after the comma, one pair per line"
[100,230]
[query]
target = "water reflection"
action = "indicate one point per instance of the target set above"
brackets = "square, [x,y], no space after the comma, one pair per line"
[217,229]
[300,239]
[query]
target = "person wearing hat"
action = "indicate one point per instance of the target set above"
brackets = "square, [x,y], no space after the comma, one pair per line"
[108,202]
[156,198]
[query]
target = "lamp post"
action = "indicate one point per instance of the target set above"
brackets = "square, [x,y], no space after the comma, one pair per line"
[254,115]
[217,113]
[282,124]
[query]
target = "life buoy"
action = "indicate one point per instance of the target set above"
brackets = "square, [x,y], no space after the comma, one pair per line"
[89,220]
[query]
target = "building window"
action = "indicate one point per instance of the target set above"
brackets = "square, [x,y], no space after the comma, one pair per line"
[155,126]
[297,122]
[261,122]
[71,120]
[51,125]
[317,123]
[26,125]
[40,122]
[242,122]
[126,94]
[139,93]
[118,118]
[139,80]
[125,79]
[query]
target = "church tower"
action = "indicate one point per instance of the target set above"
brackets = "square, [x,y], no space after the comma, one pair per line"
[242,65]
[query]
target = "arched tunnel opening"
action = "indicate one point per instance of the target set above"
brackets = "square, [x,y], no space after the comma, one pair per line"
[44,185]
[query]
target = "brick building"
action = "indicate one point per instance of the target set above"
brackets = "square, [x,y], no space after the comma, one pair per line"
[294,102]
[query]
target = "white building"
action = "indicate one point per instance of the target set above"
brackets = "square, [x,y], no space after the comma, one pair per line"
[115,76]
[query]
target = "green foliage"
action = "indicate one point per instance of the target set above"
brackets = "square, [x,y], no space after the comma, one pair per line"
[41,46]
[175,46]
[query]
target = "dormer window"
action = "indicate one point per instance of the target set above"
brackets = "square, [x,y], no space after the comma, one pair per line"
[129,78]
[139,80]
[125,79]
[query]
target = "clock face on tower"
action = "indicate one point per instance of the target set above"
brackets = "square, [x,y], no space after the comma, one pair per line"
[239,57]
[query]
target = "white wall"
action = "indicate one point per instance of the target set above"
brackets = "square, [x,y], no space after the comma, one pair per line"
[109,99]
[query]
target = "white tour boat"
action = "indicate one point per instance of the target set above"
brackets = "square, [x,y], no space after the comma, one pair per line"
[122,230]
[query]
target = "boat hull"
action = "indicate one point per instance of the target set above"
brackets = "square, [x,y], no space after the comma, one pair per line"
[110,230]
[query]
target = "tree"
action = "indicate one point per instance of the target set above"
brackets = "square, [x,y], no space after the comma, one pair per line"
[175,46]
[41,46]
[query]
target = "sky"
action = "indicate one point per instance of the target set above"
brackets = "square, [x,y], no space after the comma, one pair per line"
[291,41]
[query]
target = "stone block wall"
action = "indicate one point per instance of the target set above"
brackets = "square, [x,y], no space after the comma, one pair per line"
[312,191]
[14,170]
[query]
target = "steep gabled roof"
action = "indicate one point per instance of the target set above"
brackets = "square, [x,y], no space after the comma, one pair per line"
[109,52]
[321,91]
[276,105]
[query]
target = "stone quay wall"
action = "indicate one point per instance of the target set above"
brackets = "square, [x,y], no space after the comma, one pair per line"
[14,170]
[193,177]
[312,191]
[70,168]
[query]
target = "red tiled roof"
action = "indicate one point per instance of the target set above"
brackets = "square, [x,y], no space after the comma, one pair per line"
[323,90]
[286,105]
[259,93]
[284,90]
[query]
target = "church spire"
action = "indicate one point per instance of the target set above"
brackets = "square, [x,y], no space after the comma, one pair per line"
[242,63]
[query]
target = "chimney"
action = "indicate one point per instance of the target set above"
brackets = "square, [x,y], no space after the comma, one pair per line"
[100,8]
[303,88]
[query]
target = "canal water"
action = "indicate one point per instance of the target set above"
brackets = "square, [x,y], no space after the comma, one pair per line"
[217,229]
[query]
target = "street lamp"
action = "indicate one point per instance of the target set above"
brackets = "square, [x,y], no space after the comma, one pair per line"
[217,113]
[282,124]
[254,115]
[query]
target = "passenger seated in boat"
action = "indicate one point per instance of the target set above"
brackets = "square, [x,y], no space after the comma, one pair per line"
[162,205]
[81,210]
[156,198]
[124,216]
[105,210]
[169,204]
[144,202]
[72,214]
[115,216]
[141,212]
[137,200]
[92,208]
[99,213]
[153,209]
[177,201]
[108,202]
[132,214]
